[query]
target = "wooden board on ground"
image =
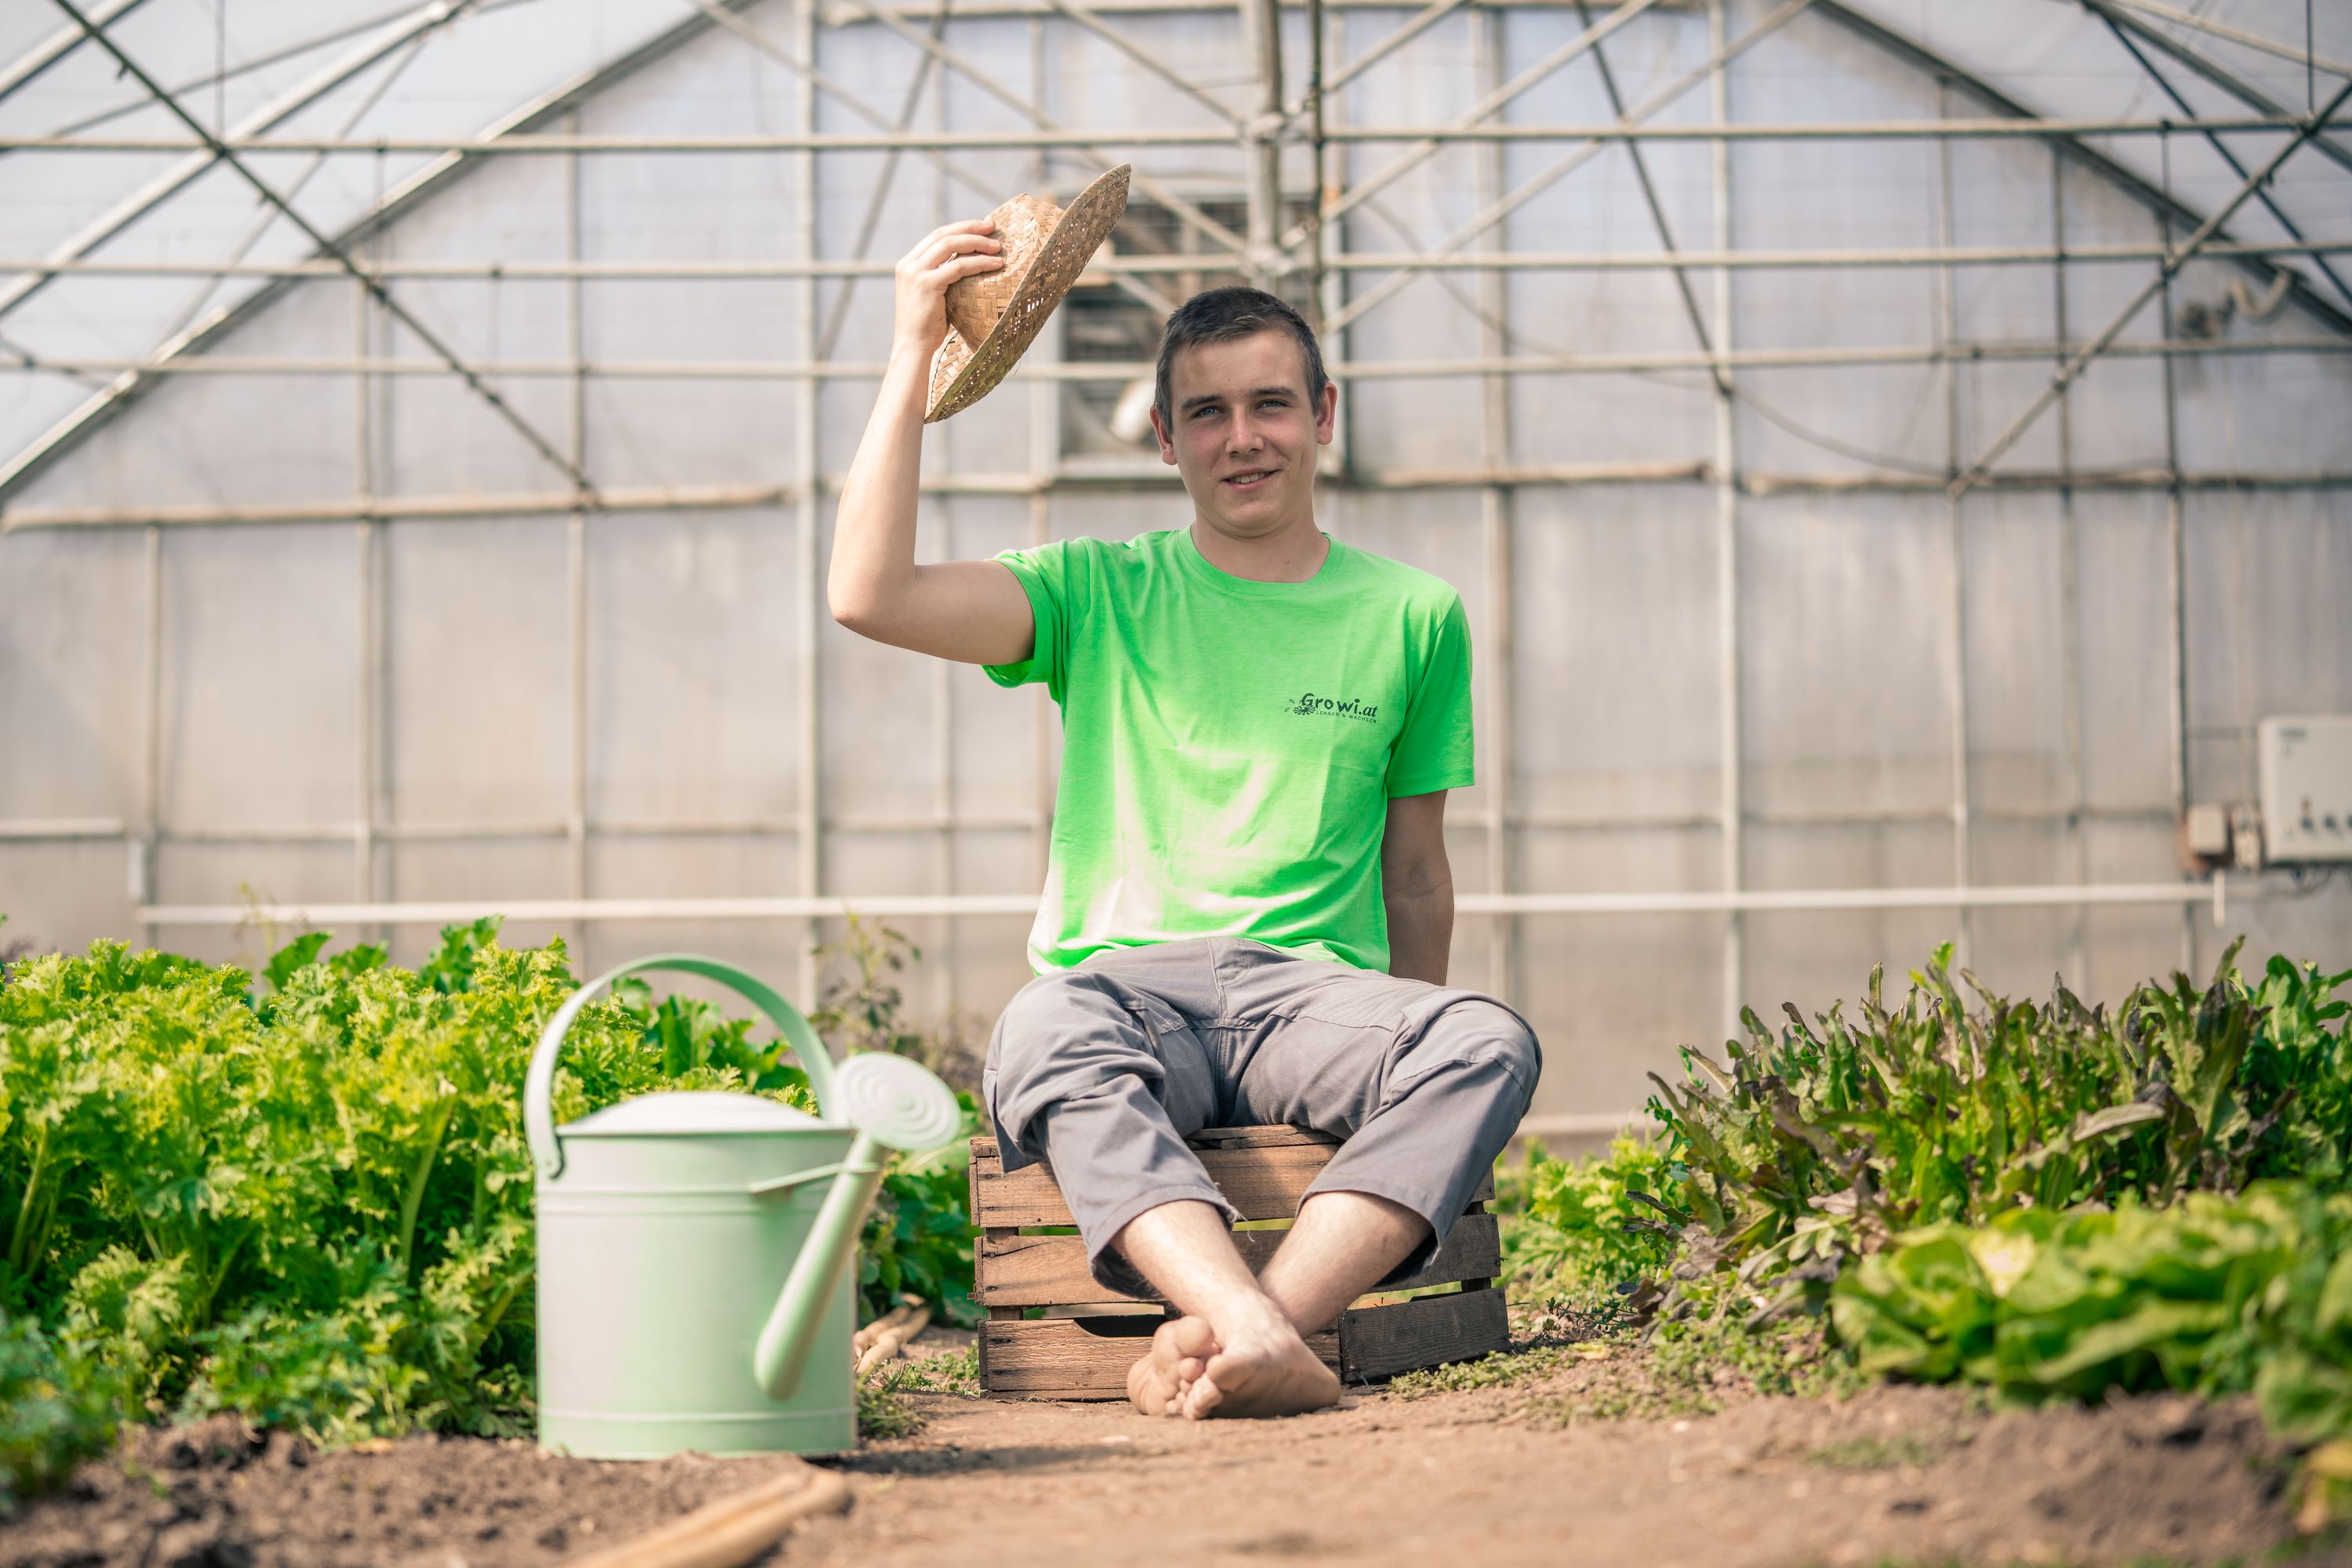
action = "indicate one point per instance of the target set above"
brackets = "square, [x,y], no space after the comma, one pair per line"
[1051,1270]
[1376,1342]
[1264,1171]
[1079,1358]
[1087,1358]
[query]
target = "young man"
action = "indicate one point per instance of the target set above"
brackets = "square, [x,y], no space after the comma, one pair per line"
[1247,909]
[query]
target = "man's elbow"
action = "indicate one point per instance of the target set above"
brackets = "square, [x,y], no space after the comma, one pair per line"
[858,610]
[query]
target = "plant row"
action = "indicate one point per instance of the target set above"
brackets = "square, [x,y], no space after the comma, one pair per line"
[308,1198]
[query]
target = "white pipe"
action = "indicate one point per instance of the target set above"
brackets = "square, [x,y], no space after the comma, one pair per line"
[921,906]
[530,270]
[1121,370]
[1203,136]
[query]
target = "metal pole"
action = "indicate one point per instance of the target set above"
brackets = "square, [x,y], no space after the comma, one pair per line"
[1534,362]
[1955,644]
[144,867]
[811,575]
[887,138]
[2185,895]
[370,619]
[2070,597]
[535,270]
[575,562]
[391,509]
[1260,22]
[1729,741]
[2176,616]
[1495,523]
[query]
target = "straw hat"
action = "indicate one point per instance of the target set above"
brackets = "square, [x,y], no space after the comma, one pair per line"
[992,317]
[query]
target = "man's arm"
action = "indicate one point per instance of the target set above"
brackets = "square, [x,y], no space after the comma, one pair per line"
[1417,886]
[974,611]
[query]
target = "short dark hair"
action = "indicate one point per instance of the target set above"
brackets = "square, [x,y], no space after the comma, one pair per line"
[1221,315]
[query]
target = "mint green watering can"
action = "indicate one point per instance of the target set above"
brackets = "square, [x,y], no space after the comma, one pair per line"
[694,1248]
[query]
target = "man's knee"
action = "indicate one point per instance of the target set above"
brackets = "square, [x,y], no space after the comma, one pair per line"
[1486,1033]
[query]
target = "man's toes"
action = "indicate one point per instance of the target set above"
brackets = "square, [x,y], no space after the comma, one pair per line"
[1200,1400]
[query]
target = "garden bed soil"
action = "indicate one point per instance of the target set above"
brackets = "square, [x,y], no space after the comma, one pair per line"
[1491,1476]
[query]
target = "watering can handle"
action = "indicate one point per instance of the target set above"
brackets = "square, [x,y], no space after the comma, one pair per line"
[539,1087]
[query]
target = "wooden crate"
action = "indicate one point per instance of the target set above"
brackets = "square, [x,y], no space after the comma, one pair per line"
[1264,1171]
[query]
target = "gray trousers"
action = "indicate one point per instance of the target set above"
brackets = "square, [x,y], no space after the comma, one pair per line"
[1106,1068]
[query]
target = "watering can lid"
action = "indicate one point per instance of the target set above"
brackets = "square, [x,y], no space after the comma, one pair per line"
[689,1111]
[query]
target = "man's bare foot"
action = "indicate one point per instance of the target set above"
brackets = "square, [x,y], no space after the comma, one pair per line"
[1179,1354]
[1270,1374]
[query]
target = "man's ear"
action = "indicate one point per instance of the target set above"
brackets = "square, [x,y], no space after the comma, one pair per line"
[1327,414]
[1167,444]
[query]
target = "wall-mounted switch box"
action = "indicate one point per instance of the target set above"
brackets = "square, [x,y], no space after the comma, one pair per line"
[2305,766]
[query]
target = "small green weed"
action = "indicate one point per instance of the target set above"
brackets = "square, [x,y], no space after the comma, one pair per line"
[1500,1370]
[956,1373]
[882,1411]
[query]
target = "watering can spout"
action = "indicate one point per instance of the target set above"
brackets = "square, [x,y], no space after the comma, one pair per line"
[894,1103]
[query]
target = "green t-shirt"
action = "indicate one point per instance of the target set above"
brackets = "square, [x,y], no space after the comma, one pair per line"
[1229,747]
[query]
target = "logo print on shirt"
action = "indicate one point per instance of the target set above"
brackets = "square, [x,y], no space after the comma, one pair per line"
[1338,707]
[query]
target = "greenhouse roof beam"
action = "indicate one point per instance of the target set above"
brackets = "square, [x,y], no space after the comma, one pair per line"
[2211,70]
[58,45]
[1772,23]
[2238,35]
[140,202]
[2147,193]
[877,200]
[1485,108]
[2073,369]
[979,77]
[2221,149]
[887,137]
[544,272]
[1429,17]
[1658,214]
[252,63]
[1084,18]
[896,135]
[383,295]
[416,188]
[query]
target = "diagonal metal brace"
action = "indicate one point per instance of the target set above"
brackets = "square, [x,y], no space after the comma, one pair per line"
[2073,369]
[374,287]
[2148,195]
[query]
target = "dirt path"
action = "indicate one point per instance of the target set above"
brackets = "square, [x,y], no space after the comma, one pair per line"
[1904,1473]
[1487,1476]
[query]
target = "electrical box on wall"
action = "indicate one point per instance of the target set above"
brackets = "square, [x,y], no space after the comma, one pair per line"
[2305,768]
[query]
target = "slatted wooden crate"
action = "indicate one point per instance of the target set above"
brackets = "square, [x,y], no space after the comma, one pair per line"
[1263,1172]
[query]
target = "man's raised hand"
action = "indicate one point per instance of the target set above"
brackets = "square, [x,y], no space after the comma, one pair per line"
[942,257]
